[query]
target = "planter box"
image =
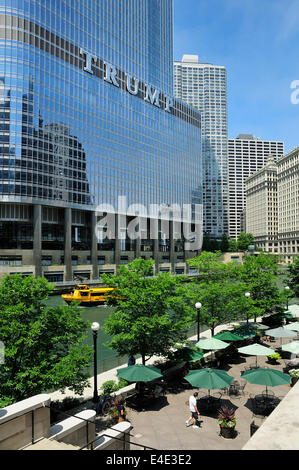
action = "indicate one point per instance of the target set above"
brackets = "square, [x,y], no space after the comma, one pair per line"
[294,380]
[228,433]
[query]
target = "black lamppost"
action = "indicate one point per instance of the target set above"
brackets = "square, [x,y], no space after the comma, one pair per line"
[247,294]
[287,294]
[198,307]
[95,328]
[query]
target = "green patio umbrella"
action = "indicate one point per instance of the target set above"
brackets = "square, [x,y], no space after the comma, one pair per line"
[187,354]
[255,325]
[287,315]
[245,331]
[281,332]
[211,343]
[292,326]
[292,347]
[265,376]
[293,310]
[256,350]
[228,336]
[209,378]
[139,373]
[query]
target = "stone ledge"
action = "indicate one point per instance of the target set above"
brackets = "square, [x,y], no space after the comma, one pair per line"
[69,425]
[118,429]
[24,406]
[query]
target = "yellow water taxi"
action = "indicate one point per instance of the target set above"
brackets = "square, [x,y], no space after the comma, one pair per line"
[87,296]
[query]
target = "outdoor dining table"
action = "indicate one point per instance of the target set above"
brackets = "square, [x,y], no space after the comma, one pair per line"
[210,402]
[267,401]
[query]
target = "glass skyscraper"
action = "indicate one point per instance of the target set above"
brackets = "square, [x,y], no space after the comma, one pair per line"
[86,116]
[203,86]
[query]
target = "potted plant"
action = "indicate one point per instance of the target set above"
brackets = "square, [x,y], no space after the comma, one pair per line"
[274,358]
[294,373]
[113,412]
[227,422]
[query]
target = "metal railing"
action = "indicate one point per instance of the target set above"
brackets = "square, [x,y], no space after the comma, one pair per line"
[33,441]
[71,416]
[122,439]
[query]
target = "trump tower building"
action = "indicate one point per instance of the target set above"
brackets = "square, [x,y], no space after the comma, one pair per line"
[89,128]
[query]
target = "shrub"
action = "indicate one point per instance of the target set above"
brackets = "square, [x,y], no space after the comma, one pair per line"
[58,407]
[122,383]
[226,417]
[109,386]
[276,356]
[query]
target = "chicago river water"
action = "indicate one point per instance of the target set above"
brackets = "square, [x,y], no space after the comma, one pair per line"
[107,358]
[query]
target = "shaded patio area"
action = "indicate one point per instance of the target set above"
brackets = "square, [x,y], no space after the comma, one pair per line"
[161,425]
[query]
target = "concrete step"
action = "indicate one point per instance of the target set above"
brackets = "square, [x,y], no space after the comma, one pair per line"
[47,444]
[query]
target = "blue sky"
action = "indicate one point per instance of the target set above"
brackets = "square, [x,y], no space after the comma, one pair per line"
[258,42]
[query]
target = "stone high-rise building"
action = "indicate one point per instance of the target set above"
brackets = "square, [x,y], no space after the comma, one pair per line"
[272,206]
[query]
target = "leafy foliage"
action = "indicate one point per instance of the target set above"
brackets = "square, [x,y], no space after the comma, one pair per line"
[44,347]
[244,240]
[150,316]
[226,417]
[293,275]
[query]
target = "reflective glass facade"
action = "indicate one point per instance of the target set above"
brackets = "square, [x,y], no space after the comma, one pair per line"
[70,139]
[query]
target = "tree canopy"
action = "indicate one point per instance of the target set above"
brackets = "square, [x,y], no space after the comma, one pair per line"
[150,315]
[293,276]
[44,347]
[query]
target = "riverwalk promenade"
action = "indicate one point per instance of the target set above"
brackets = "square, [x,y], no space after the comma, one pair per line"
[112,374]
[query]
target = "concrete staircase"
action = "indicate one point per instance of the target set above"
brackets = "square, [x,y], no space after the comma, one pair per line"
[47,444]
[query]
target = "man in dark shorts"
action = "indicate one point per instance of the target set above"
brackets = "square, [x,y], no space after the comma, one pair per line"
[193,410]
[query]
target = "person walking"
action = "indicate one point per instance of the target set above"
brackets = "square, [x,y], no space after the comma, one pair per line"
[193,410]
[121,411]
[131,360]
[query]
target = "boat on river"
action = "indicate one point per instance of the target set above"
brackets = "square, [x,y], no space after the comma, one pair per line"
[89,296]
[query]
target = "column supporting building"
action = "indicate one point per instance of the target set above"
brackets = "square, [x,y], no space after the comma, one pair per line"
[94,246]
[37,239]
[68,244]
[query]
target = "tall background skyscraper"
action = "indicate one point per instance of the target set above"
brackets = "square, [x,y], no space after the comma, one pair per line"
[203,86]
[246,155]
[87,115]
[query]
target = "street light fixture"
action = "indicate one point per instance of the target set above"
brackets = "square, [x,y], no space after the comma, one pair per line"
[247,295]
[198,307]
[95,328]
[288,290]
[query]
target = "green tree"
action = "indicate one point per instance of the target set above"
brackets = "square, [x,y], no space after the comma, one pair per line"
[293,276]
[232,245]
[151,315]
[210,266]
[44,347]
[244,239]
[224,244]
[259,273]
[223,301]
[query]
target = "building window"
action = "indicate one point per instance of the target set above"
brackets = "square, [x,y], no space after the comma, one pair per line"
[11,260]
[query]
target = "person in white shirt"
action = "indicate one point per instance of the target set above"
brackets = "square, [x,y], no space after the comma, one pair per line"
[193,410]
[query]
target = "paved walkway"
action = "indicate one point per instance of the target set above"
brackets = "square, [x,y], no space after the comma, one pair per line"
[112,374]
